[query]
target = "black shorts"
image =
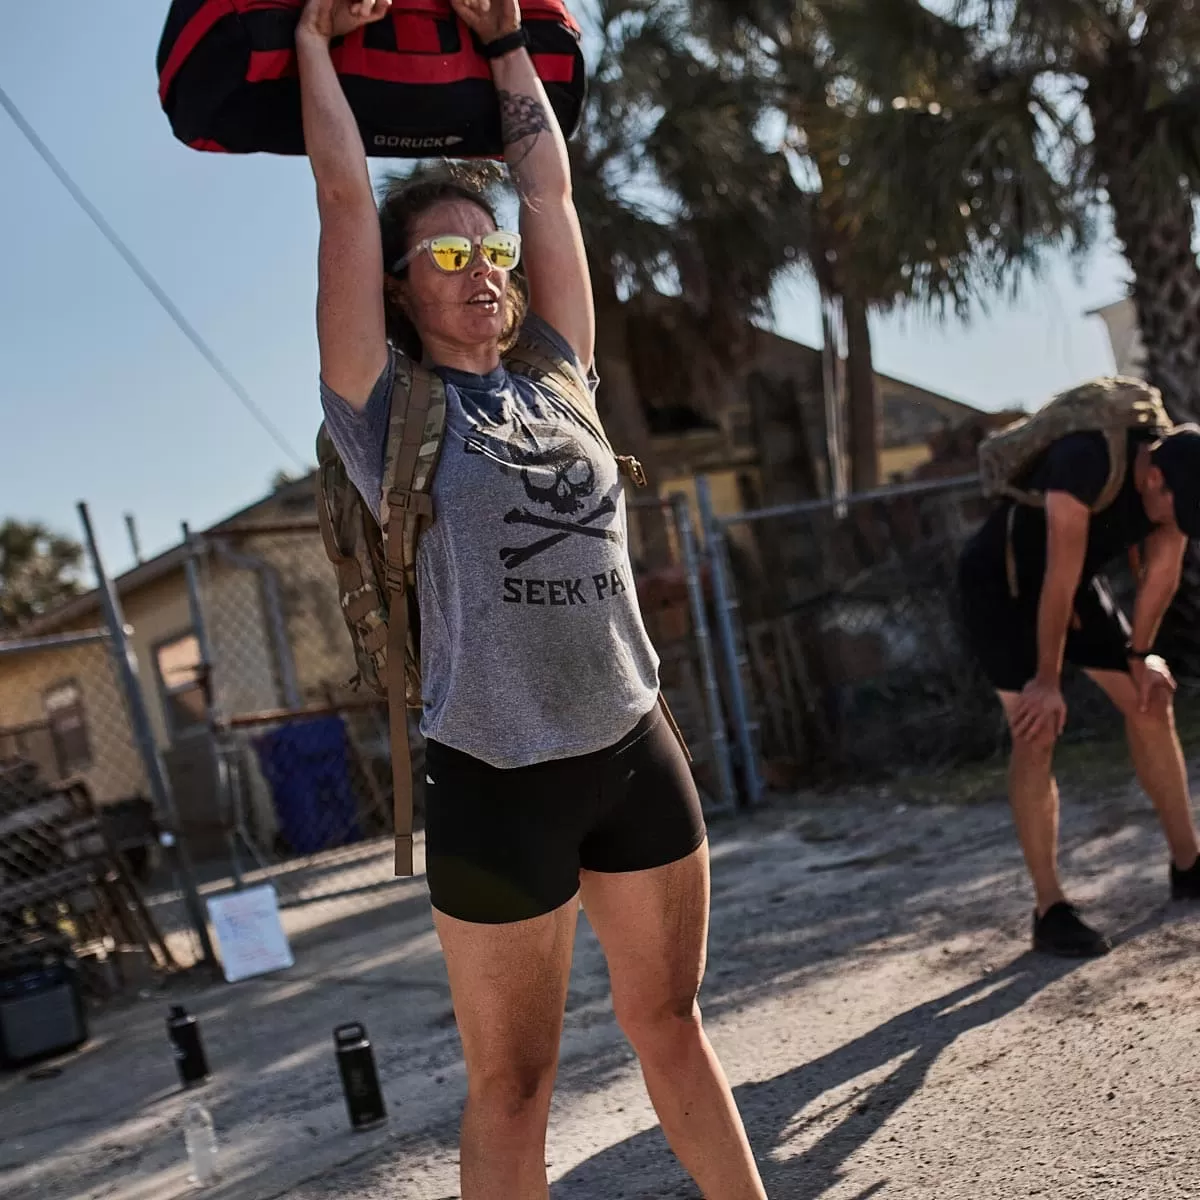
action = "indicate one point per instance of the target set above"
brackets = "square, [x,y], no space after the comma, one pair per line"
[508,845]
[1003,631]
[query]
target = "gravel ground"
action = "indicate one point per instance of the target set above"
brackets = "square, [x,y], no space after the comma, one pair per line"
[870,994]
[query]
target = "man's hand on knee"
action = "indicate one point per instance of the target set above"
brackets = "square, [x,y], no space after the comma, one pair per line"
[1040,714]
[1154,682]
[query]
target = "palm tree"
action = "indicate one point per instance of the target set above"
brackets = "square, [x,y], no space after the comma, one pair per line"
[1132,67]
[1115,86]
[928,175]
[679,199]
[688,215]
[38,569]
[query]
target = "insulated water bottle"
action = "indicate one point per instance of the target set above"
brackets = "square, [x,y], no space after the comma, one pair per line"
[360,1081]
[184,1031]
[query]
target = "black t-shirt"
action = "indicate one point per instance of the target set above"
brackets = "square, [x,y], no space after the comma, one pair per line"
[1077,464]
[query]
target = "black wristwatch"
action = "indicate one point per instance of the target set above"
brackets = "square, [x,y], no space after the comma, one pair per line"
[1142,655]
[506,44]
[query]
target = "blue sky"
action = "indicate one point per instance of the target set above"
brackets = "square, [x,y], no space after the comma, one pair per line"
[103,399]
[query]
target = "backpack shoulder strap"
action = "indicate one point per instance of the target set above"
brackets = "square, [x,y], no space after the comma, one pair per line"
[340,515]
[415,430]
[536,357]
[1117,441]
[1132,404]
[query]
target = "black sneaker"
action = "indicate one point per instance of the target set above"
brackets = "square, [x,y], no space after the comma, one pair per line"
[1185,885]
[1059,930]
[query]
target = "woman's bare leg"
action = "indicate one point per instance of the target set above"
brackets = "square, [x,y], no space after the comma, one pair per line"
[653,926]
[509,985]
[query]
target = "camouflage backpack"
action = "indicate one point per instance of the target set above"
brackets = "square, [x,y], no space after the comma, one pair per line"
[375,555]
[1109,406]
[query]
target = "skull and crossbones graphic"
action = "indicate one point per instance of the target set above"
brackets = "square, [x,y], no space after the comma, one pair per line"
[556,472]
[570,475]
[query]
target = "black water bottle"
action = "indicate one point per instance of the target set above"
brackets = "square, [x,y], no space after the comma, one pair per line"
[360,1082]
[184,1031]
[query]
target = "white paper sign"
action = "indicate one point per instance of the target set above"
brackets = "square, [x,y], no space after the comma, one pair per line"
[249,933]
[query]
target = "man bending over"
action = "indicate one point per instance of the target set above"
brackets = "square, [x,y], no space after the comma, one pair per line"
[1035,596]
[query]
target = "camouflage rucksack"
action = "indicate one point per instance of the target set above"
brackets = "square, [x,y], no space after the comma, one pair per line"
[1109,406]
[375,557]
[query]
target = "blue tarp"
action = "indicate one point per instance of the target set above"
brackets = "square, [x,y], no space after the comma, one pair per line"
[308,769]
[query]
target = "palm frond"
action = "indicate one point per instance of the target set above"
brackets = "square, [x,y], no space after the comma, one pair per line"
[734,18]
[943,207]
[1047,19]
[1172,37]
[1173,149]
[675,190]
[897,47]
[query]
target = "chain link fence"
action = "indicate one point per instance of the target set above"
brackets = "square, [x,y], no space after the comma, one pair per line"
[855,654]
[61,708]
[675,596]
[311,796]
[78,835]
[300,764]
[844,625]
[296,767]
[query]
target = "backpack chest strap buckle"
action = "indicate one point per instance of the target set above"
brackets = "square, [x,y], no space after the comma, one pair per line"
[630,467]
[417,504]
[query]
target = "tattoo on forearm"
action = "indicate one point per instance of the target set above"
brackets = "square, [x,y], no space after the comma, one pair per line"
[522,116]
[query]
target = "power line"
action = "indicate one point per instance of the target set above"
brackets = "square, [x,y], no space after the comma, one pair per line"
[185,326]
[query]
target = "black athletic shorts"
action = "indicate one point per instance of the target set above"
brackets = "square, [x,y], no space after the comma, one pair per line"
[508,845]
[1003,631]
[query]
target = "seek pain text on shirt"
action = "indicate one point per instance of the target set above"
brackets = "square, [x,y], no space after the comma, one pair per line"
[559,592]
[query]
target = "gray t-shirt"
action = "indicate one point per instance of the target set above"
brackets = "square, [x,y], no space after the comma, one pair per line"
[532,641]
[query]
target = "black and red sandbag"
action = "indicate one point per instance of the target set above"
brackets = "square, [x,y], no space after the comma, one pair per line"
[416,80]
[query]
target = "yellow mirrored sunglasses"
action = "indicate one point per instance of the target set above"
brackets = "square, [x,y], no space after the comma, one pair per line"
[454,252]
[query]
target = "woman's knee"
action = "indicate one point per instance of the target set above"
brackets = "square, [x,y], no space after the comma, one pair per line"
[513,1093]
[662,1031]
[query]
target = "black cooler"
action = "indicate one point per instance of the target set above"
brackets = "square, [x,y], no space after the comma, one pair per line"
[41,1010]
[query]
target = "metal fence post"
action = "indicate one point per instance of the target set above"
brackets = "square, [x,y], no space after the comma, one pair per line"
[723,594]
[704,648]
[164,801]
[216,739]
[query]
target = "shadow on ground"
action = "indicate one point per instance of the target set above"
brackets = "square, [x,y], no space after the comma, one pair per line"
[912,1040]
[797,896]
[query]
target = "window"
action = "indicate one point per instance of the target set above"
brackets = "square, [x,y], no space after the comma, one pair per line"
[63,704]
[181,683]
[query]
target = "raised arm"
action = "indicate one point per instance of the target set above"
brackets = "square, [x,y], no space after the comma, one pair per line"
[560,289]
[351,330]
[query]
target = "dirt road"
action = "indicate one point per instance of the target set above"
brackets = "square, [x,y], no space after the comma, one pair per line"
[869,992]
